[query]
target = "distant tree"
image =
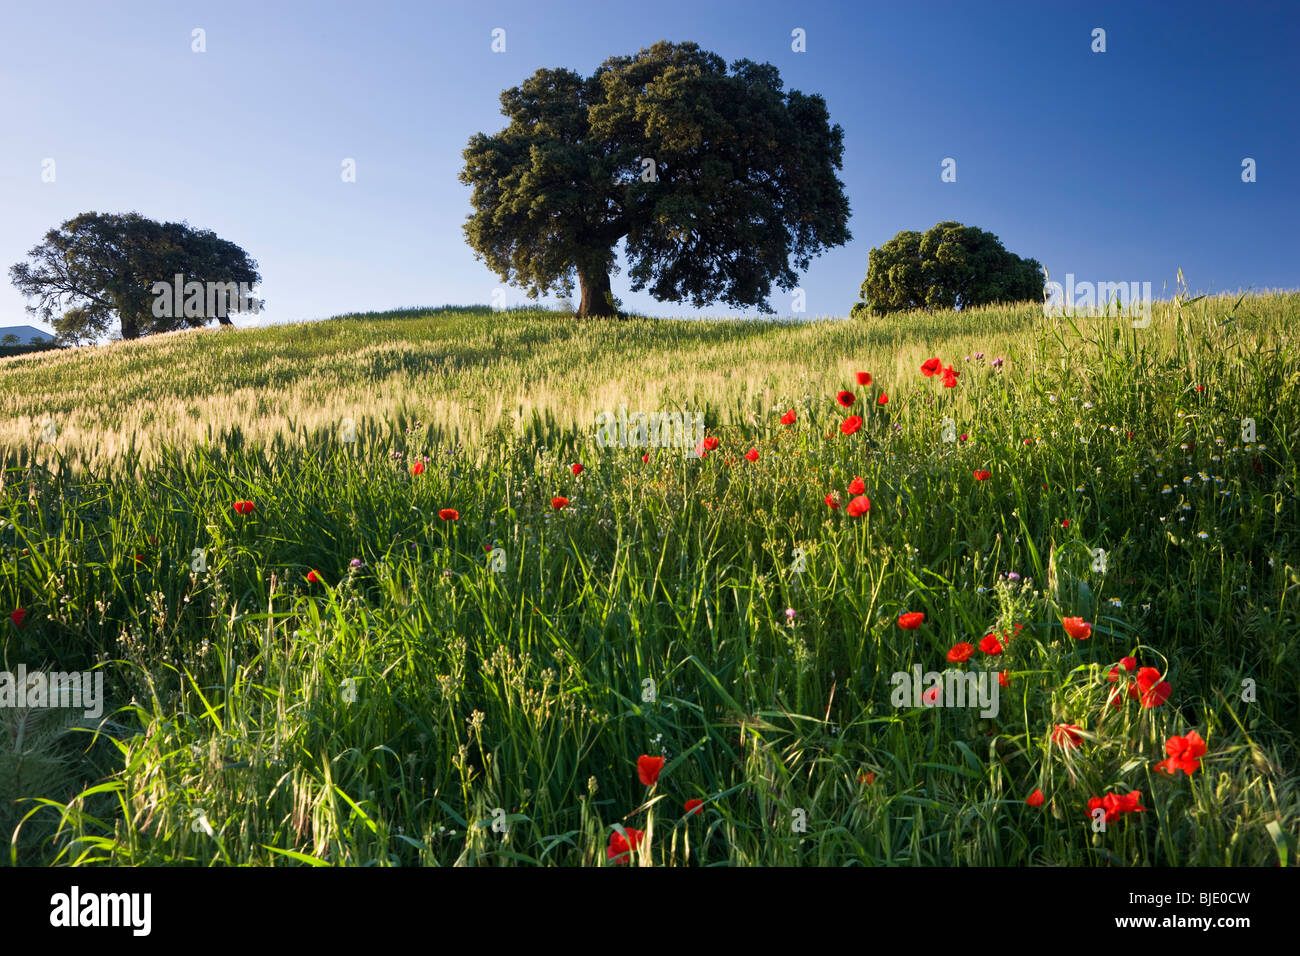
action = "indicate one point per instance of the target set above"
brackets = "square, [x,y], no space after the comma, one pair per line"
[10,339]
[98,268]
[951,266]
[720,183]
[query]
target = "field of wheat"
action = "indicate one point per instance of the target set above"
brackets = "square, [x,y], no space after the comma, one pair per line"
[369,591]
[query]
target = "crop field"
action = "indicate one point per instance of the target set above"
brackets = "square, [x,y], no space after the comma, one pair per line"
[371,592]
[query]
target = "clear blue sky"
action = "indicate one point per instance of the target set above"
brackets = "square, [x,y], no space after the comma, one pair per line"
[1115,166]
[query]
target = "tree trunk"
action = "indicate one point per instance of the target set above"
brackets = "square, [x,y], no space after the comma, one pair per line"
[597,296]
[130,327]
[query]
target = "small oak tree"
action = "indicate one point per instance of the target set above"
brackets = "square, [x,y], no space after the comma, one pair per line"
[951,266]
[98,266]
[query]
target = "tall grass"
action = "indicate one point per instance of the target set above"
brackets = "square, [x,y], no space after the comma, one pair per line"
[421,708]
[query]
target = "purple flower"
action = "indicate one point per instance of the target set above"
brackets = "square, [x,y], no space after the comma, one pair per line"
[789,614]
[356,562]
[997,363]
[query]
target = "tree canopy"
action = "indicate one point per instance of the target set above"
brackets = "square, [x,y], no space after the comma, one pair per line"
[951,266]
[100,267]
[720,183]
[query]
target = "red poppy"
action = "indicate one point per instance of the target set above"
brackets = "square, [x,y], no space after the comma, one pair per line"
[313,577]
[1185,754]
[1128,663]
[864,378]
[710,443]
[1077,628]
[882,399]
[788,418]
[960,652]
[1130,434]
[858,506]
[856,486]
[950,377]
[990,644]
[1035,799]
[576,468]
[868,778]
[17,616]
[752,454]
[693,807]
[646,457]
[449,514]
[845,398]
[850,424]
[1200,388]
[911,620]
[931,367]
[1130,802]
[139,559]
[417,468]
[983,475]
[1066,735]
[1152,690]
[559,502]
[1065,522]
[1002,679]
[1116,804]
[833,500]
[647,768]
[962,437]
[243,507]
[1147,676]
[620,847]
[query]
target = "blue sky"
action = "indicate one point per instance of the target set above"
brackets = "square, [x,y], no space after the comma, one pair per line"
[1115,166]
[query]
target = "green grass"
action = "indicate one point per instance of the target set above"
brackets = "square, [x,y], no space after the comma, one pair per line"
[382,716]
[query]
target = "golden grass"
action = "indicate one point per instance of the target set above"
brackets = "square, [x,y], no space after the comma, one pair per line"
[472,374]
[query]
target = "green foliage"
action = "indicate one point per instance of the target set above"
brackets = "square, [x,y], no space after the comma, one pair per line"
[744,195]
[951,266]
[98,268]
[379,717]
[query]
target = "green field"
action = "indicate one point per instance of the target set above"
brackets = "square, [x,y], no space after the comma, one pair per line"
[415,706]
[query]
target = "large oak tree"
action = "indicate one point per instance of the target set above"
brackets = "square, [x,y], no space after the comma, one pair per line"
[720,183]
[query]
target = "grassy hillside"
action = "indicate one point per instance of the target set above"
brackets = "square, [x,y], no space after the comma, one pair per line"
[410,704]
